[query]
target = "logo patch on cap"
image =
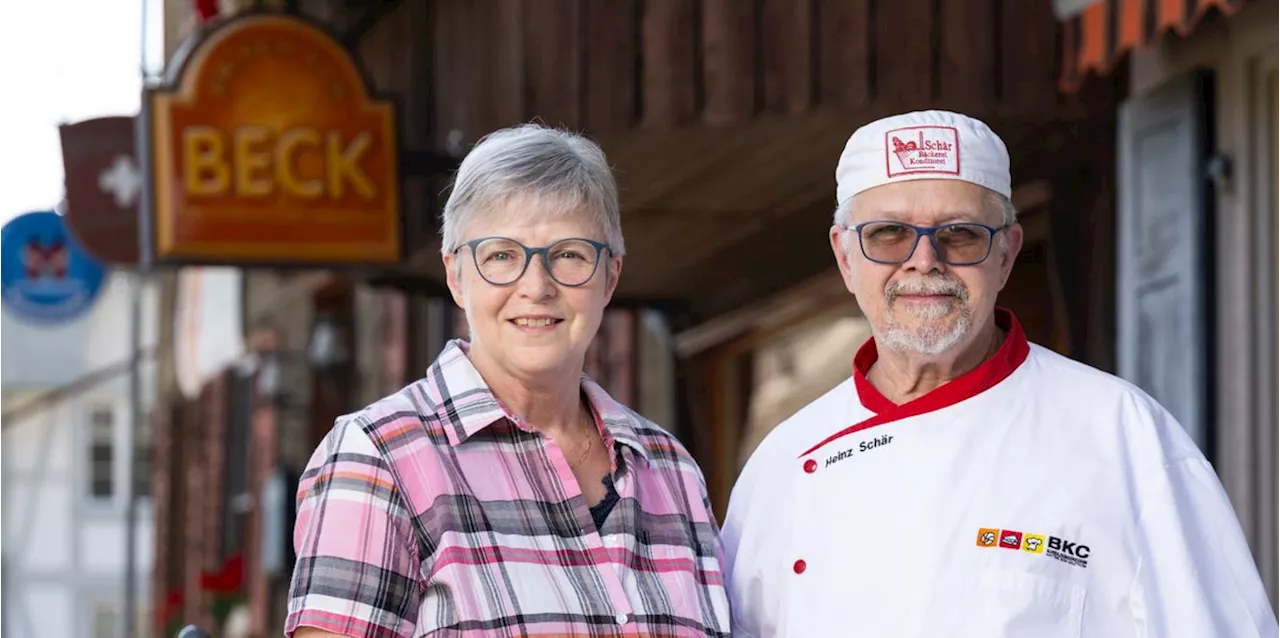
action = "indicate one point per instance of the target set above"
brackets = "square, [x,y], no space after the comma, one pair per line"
[922,149]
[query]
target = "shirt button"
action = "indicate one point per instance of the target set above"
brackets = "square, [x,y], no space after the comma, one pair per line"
[810,466]
[621,618]
[800,566]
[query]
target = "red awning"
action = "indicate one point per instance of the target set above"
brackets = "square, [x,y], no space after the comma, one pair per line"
[1097,38]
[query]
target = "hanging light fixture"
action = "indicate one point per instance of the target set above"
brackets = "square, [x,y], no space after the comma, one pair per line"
[327,346]
[268,375]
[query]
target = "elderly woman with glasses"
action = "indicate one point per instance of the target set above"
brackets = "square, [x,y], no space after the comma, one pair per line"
[506,493]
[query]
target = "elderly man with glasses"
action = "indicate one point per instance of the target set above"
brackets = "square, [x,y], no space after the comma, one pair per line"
[962,481]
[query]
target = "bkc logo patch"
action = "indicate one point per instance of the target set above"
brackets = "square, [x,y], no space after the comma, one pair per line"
[922,149]
[1055,547]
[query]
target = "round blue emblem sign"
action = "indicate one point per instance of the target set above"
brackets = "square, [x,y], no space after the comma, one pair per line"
[45,276]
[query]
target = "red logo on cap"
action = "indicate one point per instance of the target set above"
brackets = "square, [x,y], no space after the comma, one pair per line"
[922,149]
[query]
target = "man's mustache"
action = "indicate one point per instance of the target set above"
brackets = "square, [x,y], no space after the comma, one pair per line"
[932,286]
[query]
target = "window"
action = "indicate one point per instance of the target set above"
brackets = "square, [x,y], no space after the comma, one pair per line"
[106,620]
[101,453]
[142,453]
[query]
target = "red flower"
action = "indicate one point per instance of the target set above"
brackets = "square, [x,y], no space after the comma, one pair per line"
[172,605]
[207,9]
[230,579]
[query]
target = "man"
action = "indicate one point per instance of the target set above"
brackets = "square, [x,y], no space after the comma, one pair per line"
[964,482]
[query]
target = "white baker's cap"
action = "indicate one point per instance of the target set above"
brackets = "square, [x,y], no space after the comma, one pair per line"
[922,145]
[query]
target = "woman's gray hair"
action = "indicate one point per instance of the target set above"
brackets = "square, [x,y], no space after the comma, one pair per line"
[532,159]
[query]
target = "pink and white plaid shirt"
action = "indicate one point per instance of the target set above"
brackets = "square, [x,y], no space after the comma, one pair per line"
[436,512]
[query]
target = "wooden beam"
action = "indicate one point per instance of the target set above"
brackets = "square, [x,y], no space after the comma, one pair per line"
[819,292]
[553,58]
[1029,76]
[762,264]
[729,54]
[904,54]
[476,70]
[726,385]
[966,63]
[612,35]
[667,52]
[787,47]
[844,52]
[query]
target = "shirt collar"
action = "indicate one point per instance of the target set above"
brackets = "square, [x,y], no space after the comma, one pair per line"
[466,405]
[1013,351]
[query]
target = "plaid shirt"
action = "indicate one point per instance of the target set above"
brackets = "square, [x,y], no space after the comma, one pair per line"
[436,512]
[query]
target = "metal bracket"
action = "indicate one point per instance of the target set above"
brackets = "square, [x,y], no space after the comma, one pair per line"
[427,163]
[372,15]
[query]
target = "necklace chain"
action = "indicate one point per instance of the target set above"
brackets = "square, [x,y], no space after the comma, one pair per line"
[591,440]
[590,444]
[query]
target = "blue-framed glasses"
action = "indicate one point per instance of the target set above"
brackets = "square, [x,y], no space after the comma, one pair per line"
[570,262]
[958,244]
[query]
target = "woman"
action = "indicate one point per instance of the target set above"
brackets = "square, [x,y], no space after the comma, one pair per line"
[505,493]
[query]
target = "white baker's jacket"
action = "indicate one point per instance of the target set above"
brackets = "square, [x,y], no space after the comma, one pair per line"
[1032,497]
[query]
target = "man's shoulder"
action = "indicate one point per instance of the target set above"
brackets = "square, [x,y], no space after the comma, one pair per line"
[1100,399]
[1074,380]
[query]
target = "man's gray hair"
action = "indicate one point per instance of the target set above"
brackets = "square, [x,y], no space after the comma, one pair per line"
[532,159]
[1008,214]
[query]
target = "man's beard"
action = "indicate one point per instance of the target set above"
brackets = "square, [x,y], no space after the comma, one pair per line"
[930,337]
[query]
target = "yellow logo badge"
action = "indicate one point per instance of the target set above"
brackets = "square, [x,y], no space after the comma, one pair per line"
[1033,543]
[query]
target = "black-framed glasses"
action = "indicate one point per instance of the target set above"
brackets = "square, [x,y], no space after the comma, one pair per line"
[958,244]
[570,262]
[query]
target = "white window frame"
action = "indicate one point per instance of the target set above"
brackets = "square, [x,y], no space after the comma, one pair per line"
[91,440]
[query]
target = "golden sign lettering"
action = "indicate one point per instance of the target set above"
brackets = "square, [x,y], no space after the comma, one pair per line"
[258,161]
[268,149]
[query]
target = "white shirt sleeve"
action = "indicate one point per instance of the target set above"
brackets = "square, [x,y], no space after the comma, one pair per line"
[1196,577]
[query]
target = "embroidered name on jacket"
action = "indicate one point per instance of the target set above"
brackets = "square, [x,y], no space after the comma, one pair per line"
[864,446]
[1058,548]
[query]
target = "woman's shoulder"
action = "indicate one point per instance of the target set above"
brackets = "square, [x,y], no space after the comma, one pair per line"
[404,417]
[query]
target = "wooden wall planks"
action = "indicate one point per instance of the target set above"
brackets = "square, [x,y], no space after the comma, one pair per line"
[611,66]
